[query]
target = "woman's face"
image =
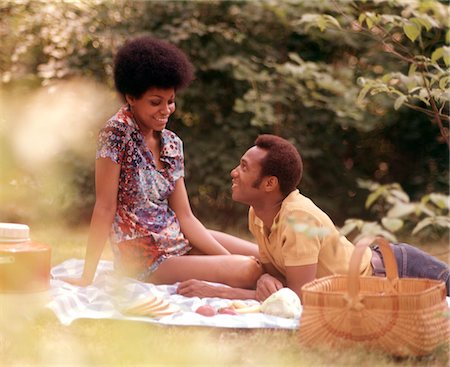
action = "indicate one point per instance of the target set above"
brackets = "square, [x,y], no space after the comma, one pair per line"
[153,108]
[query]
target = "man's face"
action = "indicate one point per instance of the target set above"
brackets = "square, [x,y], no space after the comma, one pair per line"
[246,180]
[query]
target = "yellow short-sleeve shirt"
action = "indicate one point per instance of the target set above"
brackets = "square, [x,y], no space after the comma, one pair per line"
[302,234]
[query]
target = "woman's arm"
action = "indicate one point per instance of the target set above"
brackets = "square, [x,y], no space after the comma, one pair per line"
[106,187]
[191,227]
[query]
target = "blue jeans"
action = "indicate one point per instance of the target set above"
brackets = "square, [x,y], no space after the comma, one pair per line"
[415,263]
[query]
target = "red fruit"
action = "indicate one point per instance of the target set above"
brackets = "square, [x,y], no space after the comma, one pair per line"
[227,311]
[206,310]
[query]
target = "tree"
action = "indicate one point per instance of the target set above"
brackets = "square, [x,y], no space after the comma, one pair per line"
[284,67]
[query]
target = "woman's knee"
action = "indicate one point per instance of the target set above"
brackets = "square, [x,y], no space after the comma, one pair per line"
[252,270]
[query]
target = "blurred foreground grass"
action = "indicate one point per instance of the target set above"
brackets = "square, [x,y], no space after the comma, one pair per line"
[43,341]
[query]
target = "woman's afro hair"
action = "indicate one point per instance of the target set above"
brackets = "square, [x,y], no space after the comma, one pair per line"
[147,62]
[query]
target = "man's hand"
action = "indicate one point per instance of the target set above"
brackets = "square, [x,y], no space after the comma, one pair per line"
[266,285]
[197,288]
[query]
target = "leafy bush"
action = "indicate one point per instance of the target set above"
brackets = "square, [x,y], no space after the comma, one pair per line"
[428,218]
[285,67]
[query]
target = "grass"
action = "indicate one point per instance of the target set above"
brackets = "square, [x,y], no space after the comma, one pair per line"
[43,341]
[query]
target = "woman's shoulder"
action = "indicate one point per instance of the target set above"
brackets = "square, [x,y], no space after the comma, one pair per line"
[118,123]
[172,145]
[170,136]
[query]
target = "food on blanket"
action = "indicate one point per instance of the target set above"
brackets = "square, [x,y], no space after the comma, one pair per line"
[151,306]
[227,311]
[169,310]
[248,309]
[206,310]
[283,303]
[241,307]
[142,302]
[238,304]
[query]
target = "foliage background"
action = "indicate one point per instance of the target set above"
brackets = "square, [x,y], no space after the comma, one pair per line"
[261,67]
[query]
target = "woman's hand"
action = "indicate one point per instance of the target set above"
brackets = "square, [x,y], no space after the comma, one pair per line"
[197,288]
[80,282]
[266,285]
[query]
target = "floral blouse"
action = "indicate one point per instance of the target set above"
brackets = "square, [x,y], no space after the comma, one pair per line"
[145,229]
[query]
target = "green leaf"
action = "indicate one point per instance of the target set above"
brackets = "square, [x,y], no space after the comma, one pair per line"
[350,225]
[443,83]
[332,20]
[446,55]
[412,70]
[321,23]
[361,18]
[369,23]
[398,193]
[438,221]
[423,99]
[362,94]
[425,22]
[387,77]
[421,225]
[412,30]
[437,54]
[440,200]
[374,196]
[447,37]
[392,224]
[399,102]
[401,210]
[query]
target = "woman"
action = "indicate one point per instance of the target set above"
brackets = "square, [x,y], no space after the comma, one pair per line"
[141,199]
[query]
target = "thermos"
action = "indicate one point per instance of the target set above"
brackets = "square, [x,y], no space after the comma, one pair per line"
[24,264]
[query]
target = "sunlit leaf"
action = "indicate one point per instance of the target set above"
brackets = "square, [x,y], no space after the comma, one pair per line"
[412,69]
[350,225]
[440,200]
[443,82]
[412,31]
[425,22]
[446,55]
[400,194]
[439,221]
[392,224]
[437,54]
[332,20]
[373,197]
[399,102]
[400,210]
[367,184]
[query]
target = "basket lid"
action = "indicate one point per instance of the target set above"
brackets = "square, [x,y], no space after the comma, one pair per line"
[14,232]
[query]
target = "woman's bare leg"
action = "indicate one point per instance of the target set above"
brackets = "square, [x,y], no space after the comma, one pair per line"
[235,244]
[235,270]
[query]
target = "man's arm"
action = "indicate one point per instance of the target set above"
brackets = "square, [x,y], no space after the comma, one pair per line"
[270,282]
[202,289]
[297,276]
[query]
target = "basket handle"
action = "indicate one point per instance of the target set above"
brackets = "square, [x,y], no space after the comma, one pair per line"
[355,262]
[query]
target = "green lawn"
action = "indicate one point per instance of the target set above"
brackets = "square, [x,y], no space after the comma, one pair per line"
[45,342]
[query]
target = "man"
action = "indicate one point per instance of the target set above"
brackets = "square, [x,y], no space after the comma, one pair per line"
[297,241]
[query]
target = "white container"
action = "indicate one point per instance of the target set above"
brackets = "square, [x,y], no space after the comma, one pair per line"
[24,277]
[24,264]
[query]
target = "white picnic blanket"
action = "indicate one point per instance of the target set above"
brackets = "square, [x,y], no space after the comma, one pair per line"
[106,296]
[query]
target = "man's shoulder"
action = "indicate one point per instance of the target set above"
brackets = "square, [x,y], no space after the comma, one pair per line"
[296,202]
[298,207]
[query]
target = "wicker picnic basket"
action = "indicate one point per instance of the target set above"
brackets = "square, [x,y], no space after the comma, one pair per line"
[403,317]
